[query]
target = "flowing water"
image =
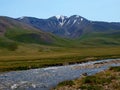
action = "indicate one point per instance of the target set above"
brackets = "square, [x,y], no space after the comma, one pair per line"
[46,78]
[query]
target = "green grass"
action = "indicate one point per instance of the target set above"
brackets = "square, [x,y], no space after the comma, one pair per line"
[27,36]
[6,43]
[66,83]
[37,56]
[116,69]
[94,39]
[95,80]
[91,87]
[100,38]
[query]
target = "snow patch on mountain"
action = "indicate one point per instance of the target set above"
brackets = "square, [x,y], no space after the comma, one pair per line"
[74,21]
[68,22]
[20,18]
[81,19]
[62,23]
[60,17]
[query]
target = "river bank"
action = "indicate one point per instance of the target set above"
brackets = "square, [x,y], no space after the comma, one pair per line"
[47,78]
[33,63]
[105,80]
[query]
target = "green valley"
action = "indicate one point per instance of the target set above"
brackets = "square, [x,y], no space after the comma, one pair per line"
[24,47]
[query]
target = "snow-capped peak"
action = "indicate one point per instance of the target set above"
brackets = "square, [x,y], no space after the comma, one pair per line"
[22,17]
[60,17]
[77,16]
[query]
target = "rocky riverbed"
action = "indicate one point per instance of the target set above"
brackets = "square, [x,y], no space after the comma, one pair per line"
[46,78]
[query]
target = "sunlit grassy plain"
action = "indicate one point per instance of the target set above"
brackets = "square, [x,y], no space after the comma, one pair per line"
[37,56]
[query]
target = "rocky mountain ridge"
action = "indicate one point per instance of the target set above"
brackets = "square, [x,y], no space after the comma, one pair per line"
[69,27]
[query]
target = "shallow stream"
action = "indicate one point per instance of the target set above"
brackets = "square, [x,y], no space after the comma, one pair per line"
[46,78]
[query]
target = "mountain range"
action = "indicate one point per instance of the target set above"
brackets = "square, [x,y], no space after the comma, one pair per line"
[58,30]
[69,27]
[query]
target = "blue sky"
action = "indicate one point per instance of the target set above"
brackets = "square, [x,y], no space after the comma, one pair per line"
[98,10]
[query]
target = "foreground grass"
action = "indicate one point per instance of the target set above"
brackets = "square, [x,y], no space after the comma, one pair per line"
[106,80]
[29,57]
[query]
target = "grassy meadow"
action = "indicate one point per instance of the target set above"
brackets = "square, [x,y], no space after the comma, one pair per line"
[36,56]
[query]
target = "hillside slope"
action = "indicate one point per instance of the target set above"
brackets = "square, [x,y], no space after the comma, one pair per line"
[13,32]
[79,30]
[74,31]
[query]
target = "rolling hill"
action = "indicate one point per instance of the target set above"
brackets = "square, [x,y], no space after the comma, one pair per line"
[78,29]
[74,31]
[13,32]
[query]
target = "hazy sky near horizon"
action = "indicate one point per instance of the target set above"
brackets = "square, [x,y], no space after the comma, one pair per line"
[98,10]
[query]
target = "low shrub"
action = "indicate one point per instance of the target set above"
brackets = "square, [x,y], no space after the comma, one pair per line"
[12,46]
[66,83]
[91,87]
[95,80]
[117,68]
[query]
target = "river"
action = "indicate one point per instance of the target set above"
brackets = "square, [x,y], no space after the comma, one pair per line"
[46,78]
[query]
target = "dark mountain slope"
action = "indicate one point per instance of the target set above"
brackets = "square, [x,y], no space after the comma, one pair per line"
[71,27]
[62,26]
[11,30]
[75,31]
